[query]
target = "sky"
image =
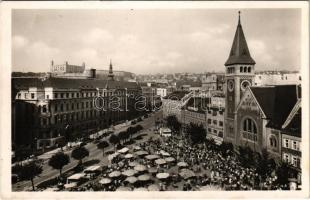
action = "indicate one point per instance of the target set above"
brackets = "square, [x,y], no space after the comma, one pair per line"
[153,41]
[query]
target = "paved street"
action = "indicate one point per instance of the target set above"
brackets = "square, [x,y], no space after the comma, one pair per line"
[94,154]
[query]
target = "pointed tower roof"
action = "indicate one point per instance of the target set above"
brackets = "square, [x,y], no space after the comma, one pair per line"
[111,75]
[239,53]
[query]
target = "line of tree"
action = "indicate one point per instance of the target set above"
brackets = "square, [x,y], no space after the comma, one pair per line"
[124,135]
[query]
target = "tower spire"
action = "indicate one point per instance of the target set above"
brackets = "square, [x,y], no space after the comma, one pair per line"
[111,75]
[239,53]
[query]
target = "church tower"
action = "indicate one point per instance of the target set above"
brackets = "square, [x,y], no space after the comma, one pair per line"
[238,76]
[111,75]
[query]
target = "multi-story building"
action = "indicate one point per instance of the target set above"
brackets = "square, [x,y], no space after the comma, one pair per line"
[172,104]
[194,111]
[162,92]
[265,78]
[215,118]
[48,109]
[213,82]
[149,94]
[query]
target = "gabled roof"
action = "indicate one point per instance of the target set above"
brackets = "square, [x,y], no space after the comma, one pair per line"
[276,102]
[294,126]
[176,95]
[239,53]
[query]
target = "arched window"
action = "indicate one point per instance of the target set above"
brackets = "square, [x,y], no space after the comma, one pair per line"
[273,141]
[249,69]
[249,129]
[241,69]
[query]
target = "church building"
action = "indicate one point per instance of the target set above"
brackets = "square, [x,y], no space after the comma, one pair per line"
[260,117]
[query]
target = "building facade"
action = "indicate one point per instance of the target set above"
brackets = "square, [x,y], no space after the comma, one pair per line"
[47,110]
[172,104]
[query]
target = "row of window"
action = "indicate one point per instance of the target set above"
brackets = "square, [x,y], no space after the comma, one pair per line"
[249,136]
[216,132]
[72,107]
[75,116]
[215,112]
[215,122]
[291,144]
[242,69]
[294,160]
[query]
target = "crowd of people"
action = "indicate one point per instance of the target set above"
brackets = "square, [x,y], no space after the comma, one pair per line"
[209,165]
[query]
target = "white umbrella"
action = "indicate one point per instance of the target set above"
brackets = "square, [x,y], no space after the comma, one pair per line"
[153,187]
[162,175]
[169,159]
[131,179]
[144,177]
[141,153]
[186,173]
[105,181]
[129,172]
[182,164]
[152,157]
[164,153]
[123,150]
[129,155]
[115,174]
[160,161]
[140,168]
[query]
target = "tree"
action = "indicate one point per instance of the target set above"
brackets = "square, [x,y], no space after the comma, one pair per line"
[58,161]
[114,139]
[79,153]
[284,172]
[226,148]
[246,156]
[30,170]
[196,133]
[264,165]
[102,145]
[139,128]
[122,136]
[173,123]
[130,131]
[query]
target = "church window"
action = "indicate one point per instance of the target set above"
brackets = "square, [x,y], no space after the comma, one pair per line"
[249,69]
[273,141]
[241,69]
[249,129]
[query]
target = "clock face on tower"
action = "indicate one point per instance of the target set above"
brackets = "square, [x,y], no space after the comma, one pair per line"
[230,85]
[245,84]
